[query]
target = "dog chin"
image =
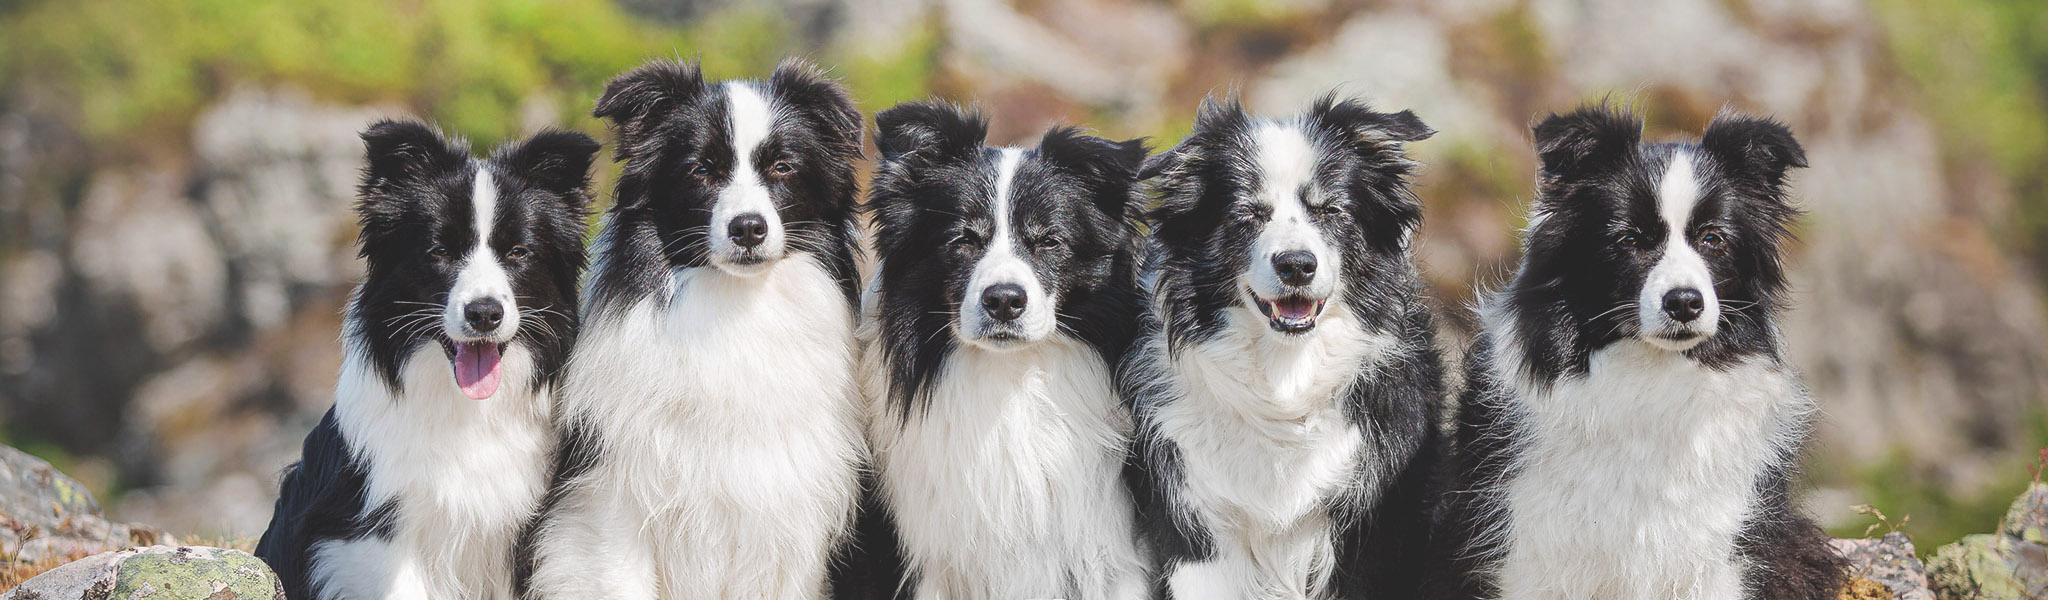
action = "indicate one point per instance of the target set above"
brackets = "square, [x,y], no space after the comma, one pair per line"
[745,265]
[1676,340]
[1001,340]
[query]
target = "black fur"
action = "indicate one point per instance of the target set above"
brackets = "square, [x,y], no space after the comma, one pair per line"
[416,218]
[1599,183]
[1204,228]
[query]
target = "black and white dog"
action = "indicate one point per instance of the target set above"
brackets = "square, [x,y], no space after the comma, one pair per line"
[436,453]
[1631,427]
[1285,382]
[1006,295]
[713,434]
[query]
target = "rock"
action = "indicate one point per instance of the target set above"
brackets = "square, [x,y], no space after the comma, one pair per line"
[156,572]
[1887,563]
[46,516]
[2010,564]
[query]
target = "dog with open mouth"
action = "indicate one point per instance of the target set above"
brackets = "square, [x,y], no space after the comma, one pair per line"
[1630,428]
[1285,381]
[1005,296]
[712,435]
[417,483]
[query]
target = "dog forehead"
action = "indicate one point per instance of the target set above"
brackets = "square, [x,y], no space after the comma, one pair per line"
[1283,159]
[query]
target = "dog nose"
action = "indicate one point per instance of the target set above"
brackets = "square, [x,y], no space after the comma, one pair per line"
[1684,304]
[1296,267]
[747,230]
[483,315]
[1004,302]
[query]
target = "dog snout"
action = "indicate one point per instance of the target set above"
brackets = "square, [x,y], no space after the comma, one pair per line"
[1003,302]
[1684,304]
[748,230]
[483,315]
[1295,267]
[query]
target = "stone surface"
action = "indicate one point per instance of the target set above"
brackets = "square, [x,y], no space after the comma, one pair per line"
[2009,565]
[156,573]
[47,516]
[1887,562]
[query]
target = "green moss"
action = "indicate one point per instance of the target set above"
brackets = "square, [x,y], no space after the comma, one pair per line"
[205,573]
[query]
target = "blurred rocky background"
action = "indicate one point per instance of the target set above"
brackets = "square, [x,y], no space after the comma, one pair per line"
[175,182]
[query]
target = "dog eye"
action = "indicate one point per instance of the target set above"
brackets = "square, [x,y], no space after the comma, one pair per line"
[782,167]
[700,170]
[1630,240]
[438,251]
[1045,242]
[1713,241]
[966,240]
[517,252]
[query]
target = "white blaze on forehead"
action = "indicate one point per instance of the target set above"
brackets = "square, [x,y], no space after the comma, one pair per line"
[1680,266]
[1286,162]
[481,276]
[750,119]
[1003,262]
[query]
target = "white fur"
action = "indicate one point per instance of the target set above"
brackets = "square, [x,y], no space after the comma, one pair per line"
[1009,484]
[1634,480]
[466,474]
[1002,263]
[1680,266]
[1258,418]
[751,117]
[731,441]
[481,276]
[1286,160]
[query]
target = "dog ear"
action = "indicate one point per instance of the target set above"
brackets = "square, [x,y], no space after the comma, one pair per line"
[1589,138]
[400,158]
[1756,144]
[633,100]
[929,131]
[1363,128]
[822,100]
[555,160]
[1178,171]
[1109,168]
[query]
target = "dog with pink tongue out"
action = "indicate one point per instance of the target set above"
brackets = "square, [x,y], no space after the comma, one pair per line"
[436,455]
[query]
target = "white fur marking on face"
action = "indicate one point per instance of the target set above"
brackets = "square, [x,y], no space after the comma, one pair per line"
[1286,160]
[750,120]
[1003,263]
[481,275]
[1680,266]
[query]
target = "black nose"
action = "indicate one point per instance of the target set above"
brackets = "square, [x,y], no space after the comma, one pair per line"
[747,230]
[1004,302]
[1296,267]
[1684,304]
[483,315]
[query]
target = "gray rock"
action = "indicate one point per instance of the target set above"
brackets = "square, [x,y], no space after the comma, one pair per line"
[46,516]
[1889,561]
[2011,564]
[156,572]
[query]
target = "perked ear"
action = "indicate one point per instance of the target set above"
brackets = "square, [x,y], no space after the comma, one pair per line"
[630,98]
[399,153]
[802,86]
[557,161]
[1217,116]
[1109,167]
[1590,137]
[1758,144]
[929,131]
[1364,127]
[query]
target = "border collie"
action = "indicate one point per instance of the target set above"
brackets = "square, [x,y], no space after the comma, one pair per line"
[1285,382]
[713,433]
[1631,427]
[435,455]
[1006,294]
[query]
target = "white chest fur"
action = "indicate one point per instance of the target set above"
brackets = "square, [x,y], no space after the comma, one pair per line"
[466,475]
[1634,480]
[1009,484]
[731,439]
[1265,444]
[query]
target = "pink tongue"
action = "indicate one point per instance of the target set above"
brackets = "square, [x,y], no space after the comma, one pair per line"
[476,369]
[1294,308]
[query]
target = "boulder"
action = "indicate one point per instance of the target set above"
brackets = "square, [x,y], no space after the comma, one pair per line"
[48,517]
[2011,564]
[1884,568]
[156,572]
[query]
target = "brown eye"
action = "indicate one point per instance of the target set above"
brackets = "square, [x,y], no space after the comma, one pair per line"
[438,251]
[966,241]
[516,253]
[1045,242]
[1713,241]
[1630,240]
[782,167]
